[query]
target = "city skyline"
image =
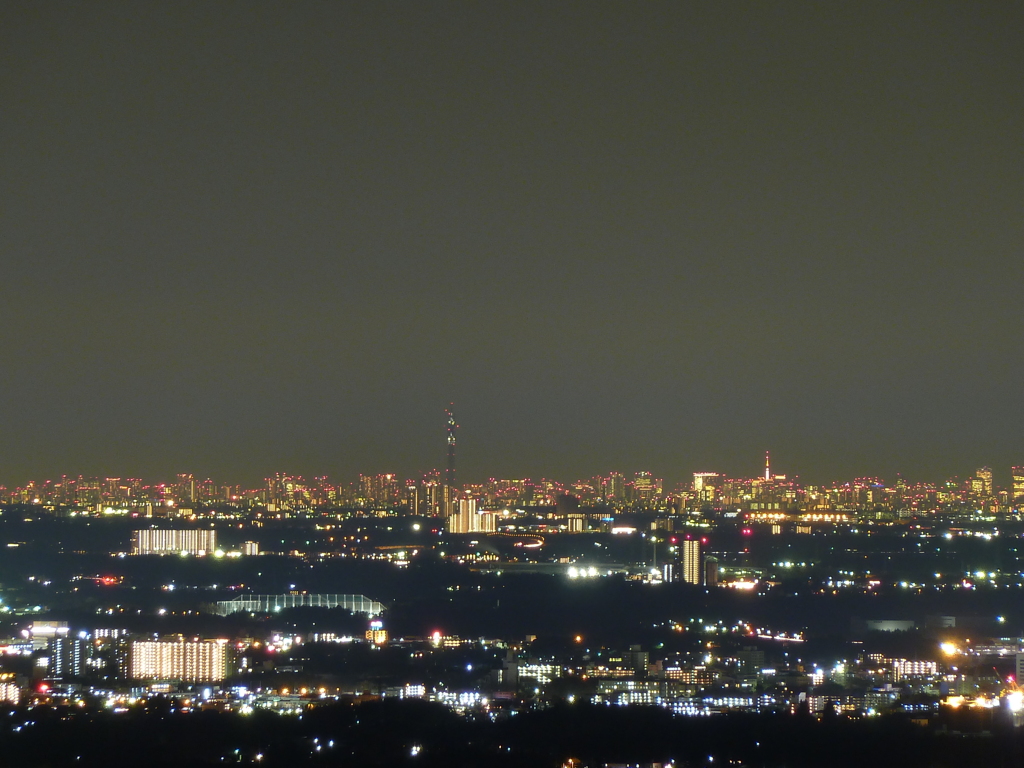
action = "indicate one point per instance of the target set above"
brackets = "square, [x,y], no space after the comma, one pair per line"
[444,473]
[663,236]
[633,487]
[446,478]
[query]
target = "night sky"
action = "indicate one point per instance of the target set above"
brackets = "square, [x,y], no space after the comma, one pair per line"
[240,238]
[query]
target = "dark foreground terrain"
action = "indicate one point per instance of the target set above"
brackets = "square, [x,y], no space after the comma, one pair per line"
[416,733]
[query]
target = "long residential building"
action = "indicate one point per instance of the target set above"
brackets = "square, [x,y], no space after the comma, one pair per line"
[178,659]
[156,541]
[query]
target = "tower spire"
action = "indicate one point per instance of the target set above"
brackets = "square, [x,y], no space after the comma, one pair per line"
[767,466]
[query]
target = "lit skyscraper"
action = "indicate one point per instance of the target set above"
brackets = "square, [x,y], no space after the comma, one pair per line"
[982,482]
[615,487]
[693,566]
[704,485]
[1018,482]
[462,521]
[432,492]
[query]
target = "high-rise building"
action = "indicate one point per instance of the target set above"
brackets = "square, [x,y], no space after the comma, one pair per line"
[751,662]
[638,660]
[380,490]
[982,482]
[704,484]
[710,571]
[193,661]
[433,495]
[69,654]
[469,519]
[110,651]
[1018,482]
[412,497]
[155,541]
[486,521]
[615,487]
[462,521]
[429,489]
[692,565]
[645,488]
[185,489]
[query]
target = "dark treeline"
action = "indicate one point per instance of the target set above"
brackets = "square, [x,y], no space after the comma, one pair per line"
[397,733]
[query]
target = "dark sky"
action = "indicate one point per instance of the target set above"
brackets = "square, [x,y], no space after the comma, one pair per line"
[239,238]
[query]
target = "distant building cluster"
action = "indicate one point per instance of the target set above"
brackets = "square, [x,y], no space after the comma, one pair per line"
[116,655]
[469,519]
[431,495]
[731,673]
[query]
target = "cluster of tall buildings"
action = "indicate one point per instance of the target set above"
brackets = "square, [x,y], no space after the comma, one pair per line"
[467,518]
[437,492]
[779,492]
[64,654]
[432,495]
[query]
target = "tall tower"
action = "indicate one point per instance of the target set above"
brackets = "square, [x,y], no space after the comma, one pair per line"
[767,467]
[448,501]
[449,472]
